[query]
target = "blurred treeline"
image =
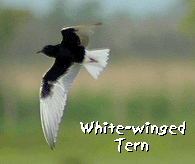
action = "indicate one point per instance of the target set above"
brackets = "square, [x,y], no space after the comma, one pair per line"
[154,35]
[150,77]
[187,22]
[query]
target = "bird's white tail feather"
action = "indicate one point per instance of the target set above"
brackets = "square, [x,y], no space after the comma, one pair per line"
[96,61]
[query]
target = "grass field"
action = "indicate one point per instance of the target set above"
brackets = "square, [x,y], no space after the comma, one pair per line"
[128,94]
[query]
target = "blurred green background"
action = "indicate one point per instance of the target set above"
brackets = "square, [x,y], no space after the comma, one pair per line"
[150,78]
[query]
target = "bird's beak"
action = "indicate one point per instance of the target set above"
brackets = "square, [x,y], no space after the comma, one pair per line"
[39,52]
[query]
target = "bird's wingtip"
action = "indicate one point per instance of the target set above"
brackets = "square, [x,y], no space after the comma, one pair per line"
[51,145]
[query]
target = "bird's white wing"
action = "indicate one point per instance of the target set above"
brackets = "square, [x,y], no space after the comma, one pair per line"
[52,107]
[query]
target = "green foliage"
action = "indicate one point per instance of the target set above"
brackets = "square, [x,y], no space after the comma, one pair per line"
[27,107]
[155,107]
[24,141]
[9,20]
[87,107]
[187,25]
[1,107]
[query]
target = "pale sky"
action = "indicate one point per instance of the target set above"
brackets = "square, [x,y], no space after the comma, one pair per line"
[135,6]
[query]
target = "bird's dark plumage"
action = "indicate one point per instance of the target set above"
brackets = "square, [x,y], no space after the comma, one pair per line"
[58,69]
[70,56]
[66,53]
[70,38]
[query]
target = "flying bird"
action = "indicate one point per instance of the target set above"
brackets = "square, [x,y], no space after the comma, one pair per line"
[70,56]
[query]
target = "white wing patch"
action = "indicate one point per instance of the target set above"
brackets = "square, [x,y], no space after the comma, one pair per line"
[52,107]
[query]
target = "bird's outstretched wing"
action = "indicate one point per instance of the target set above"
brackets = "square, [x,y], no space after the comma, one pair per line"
[53,104]
[84,31]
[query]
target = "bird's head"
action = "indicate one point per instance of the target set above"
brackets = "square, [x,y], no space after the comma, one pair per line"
[49,50]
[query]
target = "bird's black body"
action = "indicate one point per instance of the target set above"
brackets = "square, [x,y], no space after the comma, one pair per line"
[66,53]
[70,57]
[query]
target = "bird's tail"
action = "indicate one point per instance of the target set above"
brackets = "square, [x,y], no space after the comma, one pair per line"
[96,61]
